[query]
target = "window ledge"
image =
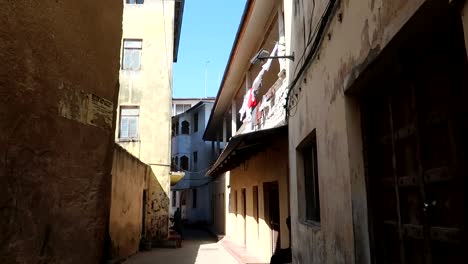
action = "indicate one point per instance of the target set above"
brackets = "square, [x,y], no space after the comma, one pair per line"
[128,140]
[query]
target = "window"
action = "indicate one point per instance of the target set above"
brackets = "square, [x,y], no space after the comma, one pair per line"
[185,127]
[131,57]
[194,198]
[175,128]
[195,160]
[137,2]
[308,152]
[174,198]
[129,122]
[195,122]
[184,162]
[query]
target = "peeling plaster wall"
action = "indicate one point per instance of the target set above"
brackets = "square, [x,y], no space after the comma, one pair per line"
[254,172]
[129,180]
[349,44]
[56,148]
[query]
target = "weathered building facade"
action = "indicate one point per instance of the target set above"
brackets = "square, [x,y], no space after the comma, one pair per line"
[58,93]
[376,115]
[193,156]
[151,31]
[251,173]
[131,181]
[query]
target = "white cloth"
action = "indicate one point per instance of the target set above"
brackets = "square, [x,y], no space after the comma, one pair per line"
[244,109]
[266,67]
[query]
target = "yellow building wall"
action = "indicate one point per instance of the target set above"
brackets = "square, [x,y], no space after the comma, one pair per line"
[268,166]
[128,184]
[150,88]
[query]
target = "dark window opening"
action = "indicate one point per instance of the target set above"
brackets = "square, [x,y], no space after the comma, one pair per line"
[195,122]
[195,160]
[185,127]
[308,151]
[184,161]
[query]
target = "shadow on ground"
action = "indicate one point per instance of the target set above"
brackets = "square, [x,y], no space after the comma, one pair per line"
[198,247]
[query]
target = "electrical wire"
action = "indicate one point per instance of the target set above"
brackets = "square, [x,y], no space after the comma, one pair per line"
[319,34]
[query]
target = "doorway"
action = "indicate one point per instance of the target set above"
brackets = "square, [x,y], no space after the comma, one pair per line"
[272,213]
[415,127]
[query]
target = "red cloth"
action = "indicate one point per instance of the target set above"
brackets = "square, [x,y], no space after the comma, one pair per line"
[251,102]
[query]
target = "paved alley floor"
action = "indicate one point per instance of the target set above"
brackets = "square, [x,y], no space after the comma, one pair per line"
[197,248]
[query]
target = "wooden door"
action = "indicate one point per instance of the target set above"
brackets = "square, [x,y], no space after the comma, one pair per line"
[415,127]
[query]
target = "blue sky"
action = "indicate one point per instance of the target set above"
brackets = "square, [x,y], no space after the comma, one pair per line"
[208,31]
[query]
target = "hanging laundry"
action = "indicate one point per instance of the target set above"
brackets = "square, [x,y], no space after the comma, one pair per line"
[251,102]
[244,108]
[264,103]
[266,67]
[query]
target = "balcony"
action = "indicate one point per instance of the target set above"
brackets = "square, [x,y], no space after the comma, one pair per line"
[270,111]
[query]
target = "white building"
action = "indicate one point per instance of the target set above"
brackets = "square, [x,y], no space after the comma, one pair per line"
[192,155]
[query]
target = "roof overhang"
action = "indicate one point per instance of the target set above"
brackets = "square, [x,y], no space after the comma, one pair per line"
[252,30]
[241,147]
[178,14]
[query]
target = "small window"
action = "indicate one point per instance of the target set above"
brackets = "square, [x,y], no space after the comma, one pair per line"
[184,161]
[195,122]
[194,198]
[174,198]
[129,116]
[175,128]
[309,166]
[185,127]
[195,160]
[131,57]
[135,2]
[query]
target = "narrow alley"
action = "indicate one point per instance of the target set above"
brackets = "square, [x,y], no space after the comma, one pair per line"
[234,132]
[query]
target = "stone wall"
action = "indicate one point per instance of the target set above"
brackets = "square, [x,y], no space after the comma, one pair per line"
[58,90]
